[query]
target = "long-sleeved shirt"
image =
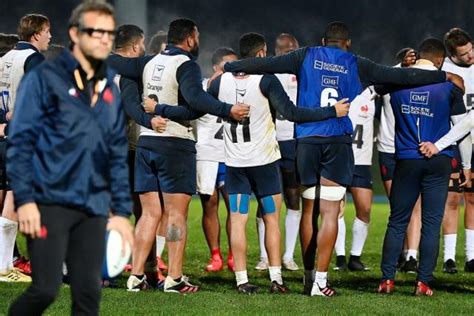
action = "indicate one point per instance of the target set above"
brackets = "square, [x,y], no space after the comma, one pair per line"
[61,149]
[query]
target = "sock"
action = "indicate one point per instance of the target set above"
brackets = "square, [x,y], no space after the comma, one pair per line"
[469,244]
[340,247]
[292,225]
[216,254]
[8,231]
[450,247]
[308,276]
[261,238]
[275,274]
[360,230]
[169,282]
[139,276]
[160,245]
[241,277]
[321,279]
[411,253]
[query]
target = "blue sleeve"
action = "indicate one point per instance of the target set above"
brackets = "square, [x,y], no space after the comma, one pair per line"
[371,73]
[132,100]
[32,61]
[189,78]
[288,63]
[275,93]
[121,203]
[129,67]
[177,112]
[214,87]
[26,126]
[457,101]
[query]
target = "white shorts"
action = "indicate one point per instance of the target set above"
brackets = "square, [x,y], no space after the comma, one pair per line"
[208,176]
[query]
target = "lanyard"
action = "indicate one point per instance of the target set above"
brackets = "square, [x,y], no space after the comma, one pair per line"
[81,86]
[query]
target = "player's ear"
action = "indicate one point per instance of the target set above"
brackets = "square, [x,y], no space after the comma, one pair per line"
[349,43]
[73,34]
[323,41]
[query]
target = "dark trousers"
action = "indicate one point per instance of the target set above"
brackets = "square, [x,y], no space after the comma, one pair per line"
[73,237]
[412,178]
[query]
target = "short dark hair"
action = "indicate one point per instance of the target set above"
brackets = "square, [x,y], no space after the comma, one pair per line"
[250,44]
[180,29]
[30,25]
[7,42]
[400,55]
[432,47]
[220,53]
[156,41]
[454,38]
[90,6]
[127,35]
[336,31]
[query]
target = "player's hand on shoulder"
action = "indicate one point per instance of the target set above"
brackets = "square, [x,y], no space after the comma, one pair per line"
[9,116]
[149,105]
[2,129]
[159,123]
[342,107]
[456,80]
[123,226]
[29,220]
[240,111]
[428,149]
[467,178]
[214,76]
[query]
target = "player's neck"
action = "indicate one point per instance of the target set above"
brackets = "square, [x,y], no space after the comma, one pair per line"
[88,65]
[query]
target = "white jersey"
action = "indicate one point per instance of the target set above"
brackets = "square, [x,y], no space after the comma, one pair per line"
[361,113]
[12,69]
[160,84]
[284,128]
[133,129]
[467,74]
[209,136]
[251,142]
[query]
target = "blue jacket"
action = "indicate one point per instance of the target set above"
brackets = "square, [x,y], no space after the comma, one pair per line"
[63,151]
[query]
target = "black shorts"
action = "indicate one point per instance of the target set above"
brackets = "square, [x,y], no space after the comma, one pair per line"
[387,164]
[261,180]
[169,173]
[131,170]
[288,163]
[334,162]
[3,165]
[362,177]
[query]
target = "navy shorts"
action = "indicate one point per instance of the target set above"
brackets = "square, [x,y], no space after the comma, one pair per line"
[362,177]
[387,164]
[334,162]
[261,180]
[288,154]
[3,165]
[168,173]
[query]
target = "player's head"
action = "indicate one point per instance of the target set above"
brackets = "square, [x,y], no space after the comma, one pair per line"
[53,51]
[34,28]
[157,43]
[337,34]
[130,40]
[7,42]
[252,45]
[221,56]
[400,55]
[459,45]
[285,43]
[92,29]
[433,50]
[185,34]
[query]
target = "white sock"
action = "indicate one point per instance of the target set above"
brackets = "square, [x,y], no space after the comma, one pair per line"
[411,253]
[340,247]
[160,245]
[469,244]
[275,274]
[360,230]
[8,231]
[261,238]
[450,247]
[241,277]
[292,226]
[308,276]
[321,279]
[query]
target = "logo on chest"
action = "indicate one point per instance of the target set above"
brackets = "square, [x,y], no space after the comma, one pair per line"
[419,97]
[157,72]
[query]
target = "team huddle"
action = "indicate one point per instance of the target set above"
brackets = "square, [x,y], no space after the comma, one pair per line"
[296,128]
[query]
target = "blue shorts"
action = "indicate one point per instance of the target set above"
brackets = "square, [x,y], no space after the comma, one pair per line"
[362,177]
[220,179]
[288,155]
[3,165]
[261,180]
[387,164]
[170,173]
[334,162]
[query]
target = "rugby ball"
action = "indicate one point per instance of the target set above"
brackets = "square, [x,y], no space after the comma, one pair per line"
[115,257]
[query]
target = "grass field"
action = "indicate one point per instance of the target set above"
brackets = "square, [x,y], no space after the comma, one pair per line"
[454,294]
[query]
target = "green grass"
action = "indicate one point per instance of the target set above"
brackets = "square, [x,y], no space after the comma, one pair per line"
[453,293]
